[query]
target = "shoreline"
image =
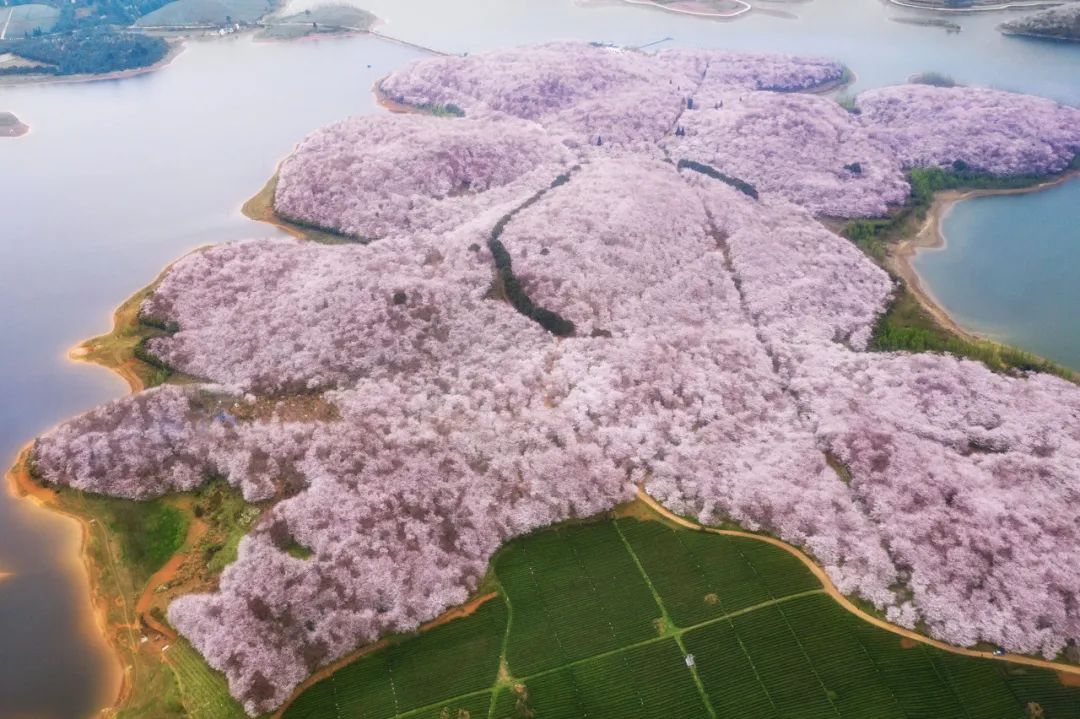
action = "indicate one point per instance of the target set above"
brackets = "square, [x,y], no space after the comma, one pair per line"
[1020,4]
[257,209]
[744,7]
[117,684]
[1038,36]
[930,236]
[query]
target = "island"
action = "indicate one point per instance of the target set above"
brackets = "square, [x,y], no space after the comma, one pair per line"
[598,391]
[10,126]
[1058,23]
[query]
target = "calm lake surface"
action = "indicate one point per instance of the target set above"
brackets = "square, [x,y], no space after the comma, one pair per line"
[117,178]
[1011,269]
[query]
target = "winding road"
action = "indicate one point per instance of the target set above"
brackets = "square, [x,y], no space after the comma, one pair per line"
[832,591]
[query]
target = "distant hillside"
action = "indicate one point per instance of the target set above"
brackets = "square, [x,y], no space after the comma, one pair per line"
[1058,23]
[206,12]
[22,20]
[319,20]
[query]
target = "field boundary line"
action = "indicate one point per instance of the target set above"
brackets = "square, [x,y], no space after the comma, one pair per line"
[554,630]
[943,675]
[427,707]
[603,655]
[496,687]
[843,601]
[877,670]
[742,647]
[669,624]
[791,630]
[603,607]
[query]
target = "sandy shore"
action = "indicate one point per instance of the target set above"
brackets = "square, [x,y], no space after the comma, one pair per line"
[930,236]
[388,103]
[117,684]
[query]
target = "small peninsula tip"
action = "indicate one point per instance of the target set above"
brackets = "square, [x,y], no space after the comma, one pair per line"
[1057,23]
[11,126]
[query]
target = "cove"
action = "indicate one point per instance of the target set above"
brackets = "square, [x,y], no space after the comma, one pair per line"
[1010,269]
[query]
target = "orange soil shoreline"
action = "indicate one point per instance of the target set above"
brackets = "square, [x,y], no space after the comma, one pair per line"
[117,684]
[931,237]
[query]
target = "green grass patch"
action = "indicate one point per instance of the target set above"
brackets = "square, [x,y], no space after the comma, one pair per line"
[230,518]
[144,534]
[907,326]
[577,636]
[708,170]
[148,533]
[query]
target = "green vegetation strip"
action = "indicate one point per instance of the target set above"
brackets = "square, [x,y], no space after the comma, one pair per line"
[598,620]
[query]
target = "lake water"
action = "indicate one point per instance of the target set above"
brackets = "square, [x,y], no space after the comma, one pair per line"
[1011,269]
[117,178]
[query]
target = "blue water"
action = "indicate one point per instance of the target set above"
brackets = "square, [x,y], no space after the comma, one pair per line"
[117,178]
[1011,269]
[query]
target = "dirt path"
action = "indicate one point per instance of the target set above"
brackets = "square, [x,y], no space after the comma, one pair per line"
[1063,670]
[196,529]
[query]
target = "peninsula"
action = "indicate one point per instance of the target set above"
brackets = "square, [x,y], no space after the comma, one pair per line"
[503,382]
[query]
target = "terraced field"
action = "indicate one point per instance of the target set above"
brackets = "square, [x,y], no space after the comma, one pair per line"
[206,695]
[599,619]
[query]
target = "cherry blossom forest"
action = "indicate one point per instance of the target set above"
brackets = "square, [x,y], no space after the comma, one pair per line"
[607,273]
